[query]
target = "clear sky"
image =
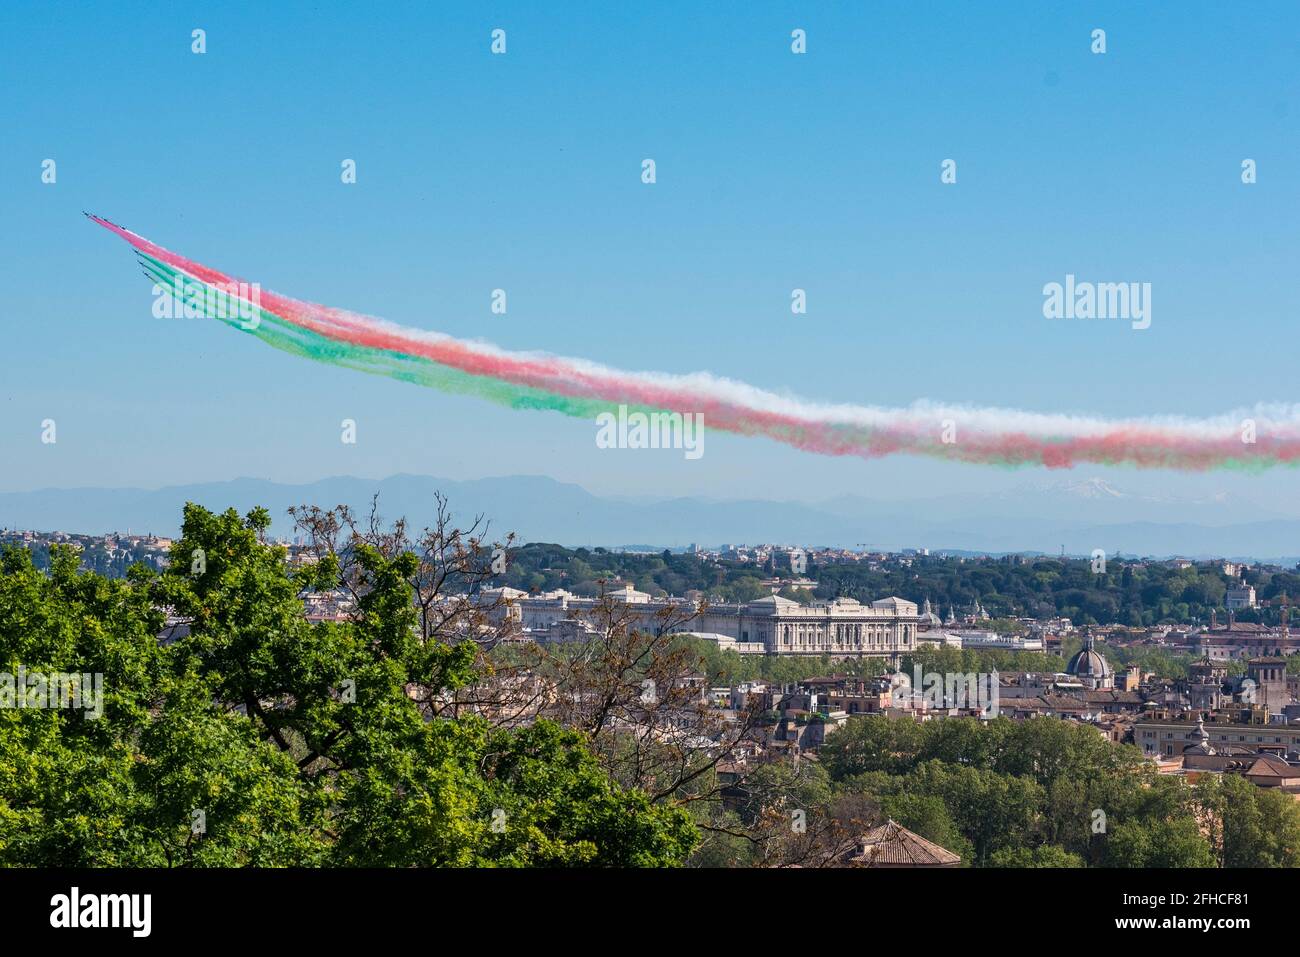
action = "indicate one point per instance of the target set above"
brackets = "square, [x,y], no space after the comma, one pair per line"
[775,171]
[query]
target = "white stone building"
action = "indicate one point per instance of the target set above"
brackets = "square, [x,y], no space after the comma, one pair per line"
[771,625]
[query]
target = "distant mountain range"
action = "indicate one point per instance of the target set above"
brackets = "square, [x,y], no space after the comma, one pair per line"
[1077,515]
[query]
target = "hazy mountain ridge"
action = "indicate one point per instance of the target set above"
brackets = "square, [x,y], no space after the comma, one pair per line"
[1076,516]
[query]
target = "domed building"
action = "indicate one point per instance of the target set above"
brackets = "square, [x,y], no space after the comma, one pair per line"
[1198,739]
[1091,667]
[928,618]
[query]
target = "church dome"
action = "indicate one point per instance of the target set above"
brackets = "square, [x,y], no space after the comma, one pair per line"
[928,618]
[1089,663]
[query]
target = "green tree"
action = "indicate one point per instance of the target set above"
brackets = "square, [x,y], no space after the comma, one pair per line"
[1048,855]
[1177,842]
[872,743]
[250,736]
[993,811]
[928,816]
[1260,827]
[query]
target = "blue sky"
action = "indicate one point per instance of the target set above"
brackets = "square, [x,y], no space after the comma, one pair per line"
[522,172]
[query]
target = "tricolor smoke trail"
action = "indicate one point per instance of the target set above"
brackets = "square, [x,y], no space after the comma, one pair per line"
[1263,437]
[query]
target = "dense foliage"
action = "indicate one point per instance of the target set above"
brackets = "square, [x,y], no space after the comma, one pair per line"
[1052,793]
[255,737]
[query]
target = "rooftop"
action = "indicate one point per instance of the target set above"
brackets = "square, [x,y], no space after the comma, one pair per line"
[892,845]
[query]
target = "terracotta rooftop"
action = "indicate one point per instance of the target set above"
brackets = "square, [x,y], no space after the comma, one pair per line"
[1271,767]
[1117,697]
[892,845]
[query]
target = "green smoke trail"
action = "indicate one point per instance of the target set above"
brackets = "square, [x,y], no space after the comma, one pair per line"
[288,337]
